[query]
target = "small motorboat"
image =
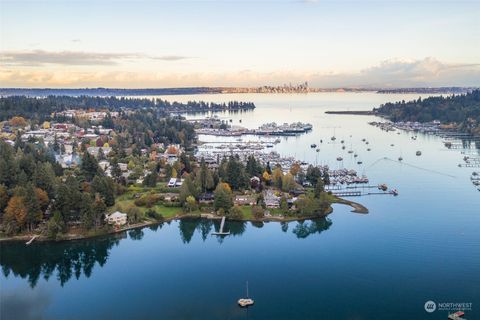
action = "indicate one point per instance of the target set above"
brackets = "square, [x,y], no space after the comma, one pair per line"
[400,158]
[418,153]
[355,155]
[269,145]
[369,149]
[333,138]
[339,159]
[318,150]
[382,187]
[343,147]
[245,302]
[313,145]
[394,192]
[456,315]
[359,162]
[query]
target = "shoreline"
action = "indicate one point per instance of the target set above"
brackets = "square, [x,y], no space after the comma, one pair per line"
[358,113]
[357,208]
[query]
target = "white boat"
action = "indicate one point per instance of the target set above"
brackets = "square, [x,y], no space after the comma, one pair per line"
[245,302]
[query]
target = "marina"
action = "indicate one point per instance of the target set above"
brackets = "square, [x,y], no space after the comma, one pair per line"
[176,262]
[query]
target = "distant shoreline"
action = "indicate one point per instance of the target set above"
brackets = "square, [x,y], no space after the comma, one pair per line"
[360,113]
[357,208]
[123,92]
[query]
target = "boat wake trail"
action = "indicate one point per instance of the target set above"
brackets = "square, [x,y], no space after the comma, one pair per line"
[410,165]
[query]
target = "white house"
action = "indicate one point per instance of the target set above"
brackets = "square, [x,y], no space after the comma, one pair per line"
[172,182]
[117,218]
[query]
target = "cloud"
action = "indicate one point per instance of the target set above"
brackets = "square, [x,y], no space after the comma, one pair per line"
[402,73]
[171,58]
[38,58]
[390,73]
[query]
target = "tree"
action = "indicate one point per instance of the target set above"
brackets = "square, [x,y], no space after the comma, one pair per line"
[191,204]
[223,197]
[44,178]
[313,174]
[89,166]
[98,209]
[3,199]
[34,213]
[326,178]
[288,182]
[18,122]
[257,212]
[115,169]
[55,225]
[174,173]
[319,188]
[105,187]
[277,176]
[235,213]
[267,177]
[15,214]
[151,179]
[42,198]
[235,173]
[284,204]
[134,215]
[188,188]
[295,169]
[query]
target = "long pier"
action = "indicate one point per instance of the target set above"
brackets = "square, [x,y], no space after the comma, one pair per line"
[347,193]
[220,231]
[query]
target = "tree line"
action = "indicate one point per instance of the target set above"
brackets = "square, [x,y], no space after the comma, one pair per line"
[463,109]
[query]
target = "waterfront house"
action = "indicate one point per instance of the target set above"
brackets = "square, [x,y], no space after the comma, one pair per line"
[270,199]
[206,197]
[117,218]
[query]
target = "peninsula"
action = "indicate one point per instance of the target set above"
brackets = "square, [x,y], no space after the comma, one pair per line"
[74,167]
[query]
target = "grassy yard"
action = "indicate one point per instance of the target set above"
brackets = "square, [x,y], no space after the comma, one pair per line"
[127,200]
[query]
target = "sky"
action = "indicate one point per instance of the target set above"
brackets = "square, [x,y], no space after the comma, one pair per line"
[153,44]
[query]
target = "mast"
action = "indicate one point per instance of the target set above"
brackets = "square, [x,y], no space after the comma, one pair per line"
[247,289]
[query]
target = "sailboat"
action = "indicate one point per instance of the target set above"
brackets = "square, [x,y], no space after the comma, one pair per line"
[245,302]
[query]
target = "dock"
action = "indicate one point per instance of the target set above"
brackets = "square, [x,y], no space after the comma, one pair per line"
[220,231]
[31,240]
[347,193]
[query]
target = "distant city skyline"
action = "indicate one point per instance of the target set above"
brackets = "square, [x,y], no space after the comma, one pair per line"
[147,44]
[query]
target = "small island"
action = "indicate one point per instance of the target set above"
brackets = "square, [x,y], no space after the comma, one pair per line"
[74,168]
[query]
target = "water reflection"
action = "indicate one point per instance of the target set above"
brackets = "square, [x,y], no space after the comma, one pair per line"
[66,259]
[74,258]
[306,228]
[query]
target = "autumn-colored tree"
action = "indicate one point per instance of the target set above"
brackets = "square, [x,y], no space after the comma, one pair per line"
[15,214]
[267,177]
[277,176]
[288,182]
[171,150]
[18,122]
[42,198]
[295,168]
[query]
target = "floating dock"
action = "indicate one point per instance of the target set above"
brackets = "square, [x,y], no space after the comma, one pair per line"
[220,231]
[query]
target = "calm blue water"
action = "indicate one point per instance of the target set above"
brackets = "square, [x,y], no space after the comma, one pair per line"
[422,245]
